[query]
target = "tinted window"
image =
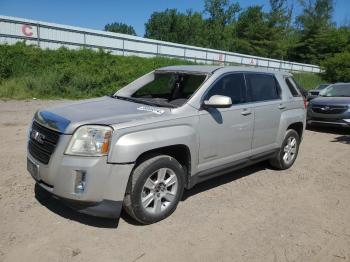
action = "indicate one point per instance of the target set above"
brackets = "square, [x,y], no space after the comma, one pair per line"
[292,87]
[262,87]
[231,85]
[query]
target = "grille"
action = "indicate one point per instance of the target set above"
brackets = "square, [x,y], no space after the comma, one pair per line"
[42,142]
[326,109]
[315,93]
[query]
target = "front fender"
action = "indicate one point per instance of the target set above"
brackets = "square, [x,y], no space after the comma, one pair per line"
[129,146]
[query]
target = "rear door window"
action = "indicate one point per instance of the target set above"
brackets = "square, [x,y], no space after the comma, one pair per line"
[262,87]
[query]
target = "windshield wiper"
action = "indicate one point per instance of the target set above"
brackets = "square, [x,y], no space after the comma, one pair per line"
[145,101]
[133,99]
[155,102]
[163,103]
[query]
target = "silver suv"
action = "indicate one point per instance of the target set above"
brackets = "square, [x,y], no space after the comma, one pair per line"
[164,132]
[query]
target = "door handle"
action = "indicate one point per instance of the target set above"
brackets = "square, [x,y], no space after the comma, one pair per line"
[281,106]
[246,112]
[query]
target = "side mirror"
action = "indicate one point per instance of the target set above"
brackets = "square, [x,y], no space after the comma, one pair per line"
[218,101]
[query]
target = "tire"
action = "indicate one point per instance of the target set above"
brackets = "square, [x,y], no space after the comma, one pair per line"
[281,161]
[154,190]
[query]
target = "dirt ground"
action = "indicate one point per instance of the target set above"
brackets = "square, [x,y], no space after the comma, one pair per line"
[256,214]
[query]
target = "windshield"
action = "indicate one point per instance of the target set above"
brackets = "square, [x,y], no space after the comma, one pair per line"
[336,91]
[323,86]
[169,89]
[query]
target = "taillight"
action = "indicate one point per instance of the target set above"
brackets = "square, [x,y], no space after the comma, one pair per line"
[305,103]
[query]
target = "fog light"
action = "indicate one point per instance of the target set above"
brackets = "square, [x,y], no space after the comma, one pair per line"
[80,180]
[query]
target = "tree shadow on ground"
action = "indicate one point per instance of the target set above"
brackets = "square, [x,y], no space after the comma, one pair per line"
[345,139]
[344,133]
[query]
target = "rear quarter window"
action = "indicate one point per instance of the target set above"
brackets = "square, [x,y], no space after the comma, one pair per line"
[292,87]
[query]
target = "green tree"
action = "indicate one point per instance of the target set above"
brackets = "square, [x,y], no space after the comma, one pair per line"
[262,33]
[315,23]
[254,35]
[171,25]
[281,31]
[280,14]
[120,28]
[222,14]
[337,67]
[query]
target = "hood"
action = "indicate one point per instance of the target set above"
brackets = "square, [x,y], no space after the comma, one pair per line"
[331,101]
[103,111]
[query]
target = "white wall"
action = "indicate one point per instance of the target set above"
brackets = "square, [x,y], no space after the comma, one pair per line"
[53,36]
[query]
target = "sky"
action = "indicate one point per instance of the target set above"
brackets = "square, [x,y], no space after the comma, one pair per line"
[96,14]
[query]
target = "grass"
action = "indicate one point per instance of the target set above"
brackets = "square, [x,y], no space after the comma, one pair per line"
[27,71]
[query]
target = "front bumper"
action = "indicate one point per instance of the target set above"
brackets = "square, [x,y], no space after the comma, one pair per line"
[328,119]
[104,183]
[105,208]
[328,122]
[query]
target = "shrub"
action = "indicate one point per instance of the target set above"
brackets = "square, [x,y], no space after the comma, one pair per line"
[27,71]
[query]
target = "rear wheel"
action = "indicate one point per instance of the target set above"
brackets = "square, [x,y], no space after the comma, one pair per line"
[155,189]
[288,152]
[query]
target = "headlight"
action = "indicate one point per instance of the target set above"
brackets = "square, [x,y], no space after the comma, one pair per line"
[90,141]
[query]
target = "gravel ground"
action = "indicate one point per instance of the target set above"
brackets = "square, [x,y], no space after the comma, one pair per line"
[256,214]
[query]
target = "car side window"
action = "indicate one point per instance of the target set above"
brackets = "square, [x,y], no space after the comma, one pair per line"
[231,85]
[301,90]
[292,87]
[262,87]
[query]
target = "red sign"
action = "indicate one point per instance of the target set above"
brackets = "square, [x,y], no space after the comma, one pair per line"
[27,30]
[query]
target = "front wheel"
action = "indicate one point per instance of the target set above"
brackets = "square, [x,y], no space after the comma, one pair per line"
[288,152]
[155,189]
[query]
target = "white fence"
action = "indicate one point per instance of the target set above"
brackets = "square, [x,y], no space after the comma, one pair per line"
[53,36]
